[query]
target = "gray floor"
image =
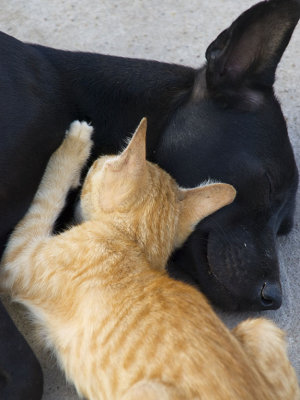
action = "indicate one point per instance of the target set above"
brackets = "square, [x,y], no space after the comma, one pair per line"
[174,31]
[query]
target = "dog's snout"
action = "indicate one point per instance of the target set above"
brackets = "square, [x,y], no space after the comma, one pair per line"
[271,296]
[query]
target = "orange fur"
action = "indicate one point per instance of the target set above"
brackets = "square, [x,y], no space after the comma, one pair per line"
[119,326]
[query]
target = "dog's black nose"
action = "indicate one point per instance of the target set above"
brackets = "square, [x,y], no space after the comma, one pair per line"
[271,295]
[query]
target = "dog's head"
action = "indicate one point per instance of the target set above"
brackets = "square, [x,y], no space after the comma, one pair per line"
[232,129]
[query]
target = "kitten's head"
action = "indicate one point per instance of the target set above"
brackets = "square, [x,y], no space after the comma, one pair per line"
[143,200]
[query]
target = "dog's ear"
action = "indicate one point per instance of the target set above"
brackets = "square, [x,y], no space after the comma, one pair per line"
[248,52]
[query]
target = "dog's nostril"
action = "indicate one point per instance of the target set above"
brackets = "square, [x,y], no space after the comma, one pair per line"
[265,295]
[271,296]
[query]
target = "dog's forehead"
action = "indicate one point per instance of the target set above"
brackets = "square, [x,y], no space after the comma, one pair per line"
[210,125]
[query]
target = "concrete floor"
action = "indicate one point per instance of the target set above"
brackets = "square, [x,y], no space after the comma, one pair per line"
[173,31]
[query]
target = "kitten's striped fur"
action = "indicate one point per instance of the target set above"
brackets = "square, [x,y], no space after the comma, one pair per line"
[119,326]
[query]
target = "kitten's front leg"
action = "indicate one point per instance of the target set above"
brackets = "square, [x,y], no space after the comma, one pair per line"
[73,153]
[62,173]
[64,167]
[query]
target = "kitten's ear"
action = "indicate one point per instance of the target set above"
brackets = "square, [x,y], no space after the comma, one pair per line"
[133,158]
[198,203]
[122,174]
[251,48]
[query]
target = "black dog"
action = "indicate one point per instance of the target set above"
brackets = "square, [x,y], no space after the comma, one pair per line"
[221,121]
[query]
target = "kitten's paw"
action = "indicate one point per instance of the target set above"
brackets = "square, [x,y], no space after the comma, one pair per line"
[77,147]
[80,130]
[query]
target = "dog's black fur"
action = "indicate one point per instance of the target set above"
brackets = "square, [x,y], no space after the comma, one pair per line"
[221,121]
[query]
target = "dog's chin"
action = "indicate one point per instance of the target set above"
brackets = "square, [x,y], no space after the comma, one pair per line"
[197,270]
[215,292]
[224,295]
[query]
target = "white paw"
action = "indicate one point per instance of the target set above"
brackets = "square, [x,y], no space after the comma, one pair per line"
[80,130]
[78,142]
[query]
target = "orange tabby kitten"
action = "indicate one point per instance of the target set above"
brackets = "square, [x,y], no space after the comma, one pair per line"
[119,326]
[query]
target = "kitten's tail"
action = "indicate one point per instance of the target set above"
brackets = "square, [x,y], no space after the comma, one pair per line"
[265,344]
